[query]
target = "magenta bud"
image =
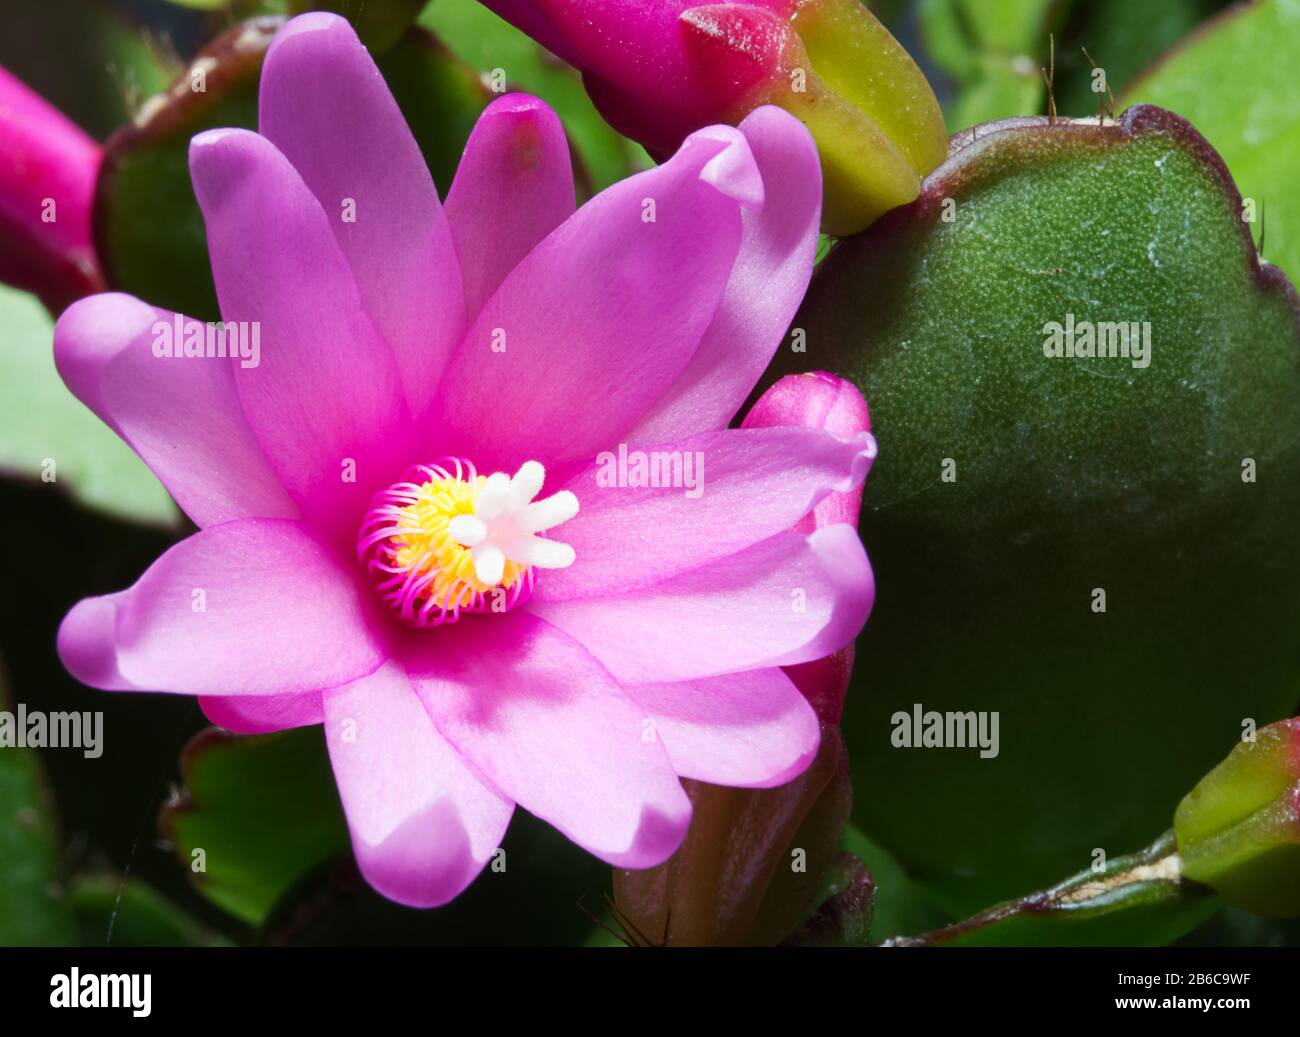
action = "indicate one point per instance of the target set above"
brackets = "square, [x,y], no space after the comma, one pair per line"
[48,168]
[659,70]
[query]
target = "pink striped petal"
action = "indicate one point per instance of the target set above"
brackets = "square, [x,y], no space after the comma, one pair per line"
[601,317]
[258,714]
[748,730]
[538,717]
[180,414]
[326,399]
[785,600]
[250,607]
[766,287]
[745,486]
[325,106]
[423,824]
[513,187]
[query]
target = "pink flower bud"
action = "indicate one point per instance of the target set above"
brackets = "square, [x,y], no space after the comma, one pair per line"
[48,168]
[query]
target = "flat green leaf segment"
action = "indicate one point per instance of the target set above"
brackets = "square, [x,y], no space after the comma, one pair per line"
[257,814]
[32,909]
[1139,900]
[47,434]
[1099,555]
[1237,81]
[129,913]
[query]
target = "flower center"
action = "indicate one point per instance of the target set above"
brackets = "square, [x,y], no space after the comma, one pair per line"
[446,540]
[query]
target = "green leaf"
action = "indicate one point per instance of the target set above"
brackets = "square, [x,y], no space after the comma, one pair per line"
[257,813]
[125,912]
[1069,475]
[991,50]
[489,43]
[148,228]
[1135,901]
[1001,88]
[1008,26]
[47,434]
[958,32]
[1237,81]
[33,911]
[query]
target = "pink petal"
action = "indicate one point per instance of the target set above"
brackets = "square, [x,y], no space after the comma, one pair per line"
[276,615]
[750,485]
[765,289]
[181,414]
[87,642]
[600,318]
[513,187]
[537,716]
[258,714]
[423,825]
[750,730]
[325,106]
[326,400]
[740,613]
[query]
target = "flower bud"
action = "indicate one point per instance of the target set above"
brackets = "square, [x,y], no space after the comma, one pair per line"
[48,168]
[658,71]
[1239,828]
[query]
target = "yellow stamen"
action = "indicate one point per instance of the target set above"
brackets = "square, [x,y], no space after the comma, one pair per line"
[425,544]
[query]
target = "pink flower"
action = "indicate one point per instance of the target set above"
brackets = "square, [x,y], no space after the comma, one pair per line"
[48,168]
[465,649]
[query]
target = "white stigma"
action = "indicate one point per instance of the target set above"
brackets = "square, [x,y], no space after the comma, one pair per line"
[506,522]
